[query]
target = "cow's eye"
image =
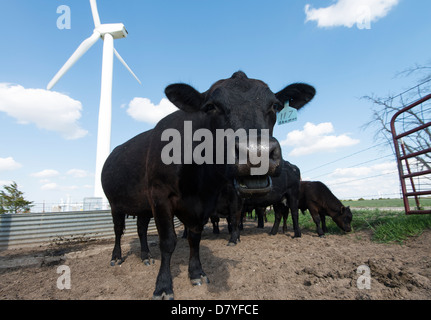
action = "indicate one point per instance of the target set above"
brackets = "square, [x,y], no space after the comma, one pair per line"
[210,108]
[277,107]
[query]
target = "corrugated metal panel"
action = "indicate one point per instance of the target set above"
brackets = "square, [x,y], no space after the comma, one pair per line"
[19,230]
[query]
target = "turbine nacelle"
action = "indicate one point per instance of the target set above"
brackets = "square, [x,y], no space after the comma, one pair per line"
[116,30]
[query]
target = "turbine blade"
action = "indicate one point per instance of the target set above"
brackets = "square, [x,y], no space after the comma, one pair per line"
[125,64]
[83,48]
[95,13]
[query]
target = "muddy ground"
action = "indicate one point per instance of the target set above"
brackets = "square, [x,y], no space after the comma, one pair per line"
[259,267]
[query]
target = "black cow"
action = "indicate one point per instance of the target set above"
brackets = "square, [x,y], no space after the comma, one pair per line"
[320,201]
[122,181]
[229,206]
[154,171]
[283,196]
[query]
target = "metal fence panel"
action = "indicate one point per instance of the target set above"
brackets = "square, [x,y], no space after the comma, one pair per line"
[19,230]
[406,158]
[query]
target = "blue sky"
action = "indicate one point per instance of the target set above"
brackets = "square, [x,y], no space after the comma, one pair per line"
[48,139]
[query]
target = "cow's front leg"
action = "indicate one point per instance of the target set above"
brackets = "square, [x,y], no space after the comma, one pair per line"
[235,213]
[285,216]
[323,219]
[295,217]
[215,221]
[164,289]
[259,213]
[196,273]
[168,239]
[316,219]
[279,211]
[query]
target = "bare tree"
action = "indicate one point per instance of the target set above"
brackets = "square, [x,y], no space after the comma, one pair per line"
[385,107]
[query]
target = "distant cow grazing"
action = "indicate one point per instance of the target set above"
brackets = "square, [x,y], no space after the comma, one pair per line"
[321,202]
[171,171]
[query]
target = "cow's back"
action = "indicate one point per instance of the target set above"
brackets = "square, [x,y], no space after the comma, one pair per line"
[318,193]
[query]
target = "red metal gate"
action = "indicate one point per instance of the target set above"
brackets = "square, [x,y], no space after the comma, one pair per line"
[407,161]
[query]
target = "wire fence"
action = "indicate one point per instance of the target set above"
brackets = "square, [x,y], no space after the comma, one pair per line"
[87,204]
[47,207]
[418,116]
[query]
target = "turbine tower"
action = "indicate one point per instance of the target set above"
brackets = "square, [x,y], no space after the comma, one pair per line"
[108,32]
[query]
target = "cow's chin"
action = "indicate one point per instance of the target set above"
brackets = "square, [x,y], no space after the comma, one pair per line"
[250,186]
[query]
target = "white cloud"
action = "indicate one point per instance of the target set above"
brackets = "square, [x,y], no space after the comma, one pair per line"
[380,180]
[142,109]
[351,172]
[8,164]
[349,12]
[50,186]
[48,110]
[381,168]
[78,173]
[316,138]
[47,173]
[53,186]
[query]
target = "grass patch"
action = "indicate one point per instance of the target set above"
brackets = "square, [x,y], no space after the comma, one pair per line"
[379,203]
[386,226]
[400,228]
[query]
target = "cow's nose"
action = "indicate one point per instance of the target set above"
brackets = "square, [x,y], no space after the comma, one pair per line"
[258,157]
[274,168]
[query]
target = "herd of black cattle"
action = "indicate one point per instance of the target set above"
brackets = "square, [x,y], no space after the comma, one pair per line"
[137,182]
[291,193]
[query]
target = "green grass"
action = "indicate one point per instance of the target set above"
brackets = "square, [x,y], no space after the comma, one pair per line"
[386,226]
[379,203]
[399,227]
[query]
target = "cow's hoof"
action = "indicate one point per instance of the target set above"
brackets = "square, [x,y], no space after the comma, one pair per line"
[116,261]
[200,281]
[148,262]
[322,236]
[231,244]
[164,296]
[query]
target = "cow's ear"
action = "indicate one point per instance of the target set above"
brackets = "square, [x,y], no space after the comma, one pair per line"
[184,97]
[297,94]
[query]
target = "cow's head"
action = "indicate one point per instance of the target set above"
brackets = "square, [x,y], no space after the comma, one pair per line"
[344,218]
[240,104]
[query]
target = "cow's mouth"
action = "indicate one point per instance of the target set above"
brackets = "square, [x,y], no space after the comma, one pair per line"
[253,185]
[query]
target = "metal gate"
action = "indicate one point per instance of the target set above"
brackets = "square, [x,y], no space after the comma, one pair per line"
[413,167]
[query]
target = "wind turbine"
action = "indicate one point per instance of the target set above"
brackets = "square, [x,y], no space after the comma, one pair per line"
[108,32]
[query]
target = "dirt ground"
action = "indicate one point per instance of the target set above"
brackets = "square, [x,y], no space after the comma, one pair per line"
[260,267]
